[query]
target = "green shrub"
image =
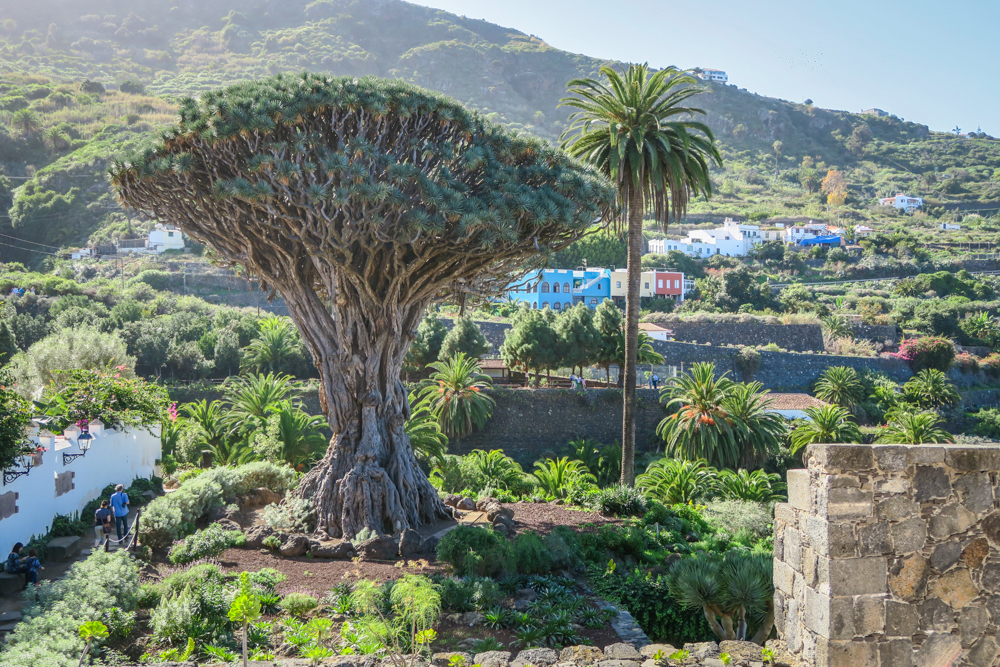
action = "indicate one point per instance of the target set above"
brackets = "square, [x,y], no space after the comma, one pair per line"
[297,604]
[294,515]
[176,617]
[530,554]
[921,353]
[987,423]
[170,517]
[148,596]
[649,601]
[620,501]
[48,635]
[205,543]
[473,550]
[731,517]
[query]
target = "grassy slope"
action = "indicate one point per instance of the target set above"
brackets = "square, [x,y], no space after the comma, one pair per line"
[185,47]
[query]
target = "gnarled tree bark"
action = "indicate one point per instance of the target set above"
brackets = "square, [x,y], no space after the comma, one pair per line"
[361,201]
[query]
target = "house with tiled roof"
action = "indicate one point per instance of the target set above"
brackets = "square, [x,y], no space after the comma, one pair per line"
[792,406]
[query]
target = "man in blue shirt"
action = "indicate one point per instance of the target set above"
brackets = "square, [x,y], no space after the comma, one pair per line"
[119,503]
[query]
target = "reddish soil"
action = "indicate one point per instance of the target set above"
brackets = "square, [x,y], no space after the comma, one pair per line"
[319,575]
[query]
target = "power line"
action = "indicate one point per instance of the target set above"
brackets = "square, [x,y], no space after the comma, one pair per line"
[40,252]
[44,245]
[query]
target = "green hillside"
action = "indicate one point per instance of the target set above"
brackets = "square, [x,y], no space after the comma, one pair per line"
[58,128]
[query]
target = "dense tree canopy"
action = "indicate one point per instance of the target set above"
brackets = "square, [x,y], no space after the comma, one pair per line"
[361,201]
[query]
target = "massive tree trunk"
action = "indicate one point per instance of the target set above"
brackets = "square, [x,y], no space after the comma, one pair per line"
[369,477]
[635,212]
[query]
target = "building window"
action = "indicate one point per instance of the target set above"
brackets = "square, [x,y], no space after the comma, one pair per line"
[565,288]
[555,287]
[545,304]
[534,306]
[170,234]
[556,306]
[677,284]
[646,285]
[593,302]
[545,288]
[618,284]
[659,284]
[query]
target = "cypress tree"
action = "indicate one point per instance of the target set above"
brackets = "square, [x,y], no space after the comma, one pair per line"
[466,337]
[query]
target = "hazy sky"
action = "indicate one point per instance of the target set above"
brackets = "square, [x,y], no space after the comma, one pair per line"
[929,61]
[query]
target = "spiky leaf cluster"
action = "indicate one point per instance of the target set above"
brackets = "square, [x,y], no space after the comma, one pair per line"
[402,190]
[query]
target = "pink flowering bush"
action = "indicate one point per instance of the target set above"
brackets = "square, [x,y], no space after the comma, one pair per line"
[921,353]
[966,362]
[115,400]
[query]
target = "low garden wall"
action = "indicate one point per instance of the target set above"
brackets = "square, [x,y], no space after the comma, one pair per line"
[28,503]
[795,337]
[886,555]
[530,424]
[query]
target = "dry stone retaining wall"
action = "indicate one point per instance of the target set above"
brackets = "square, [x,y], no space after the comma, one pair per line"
[887,556]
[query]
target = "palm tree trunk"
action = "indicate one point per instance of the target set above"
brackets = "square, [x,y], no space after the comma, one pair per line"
[635,212]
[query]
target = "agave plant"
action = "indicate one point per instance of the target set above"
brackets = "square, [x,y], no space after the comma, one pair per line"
[556,476]
[455,395]
[673,481]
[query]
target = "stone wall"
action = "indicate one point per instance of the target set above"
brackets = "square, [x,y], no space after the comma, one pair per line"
[529,424]
[794,337]
[884,556]
[878,333]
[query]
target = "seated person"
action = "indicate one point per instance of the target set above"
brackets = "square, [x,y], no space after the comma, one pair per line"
[16,565]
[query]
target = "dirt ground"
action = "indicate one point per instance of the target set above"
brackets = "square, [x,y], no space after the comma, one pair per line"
[318,576]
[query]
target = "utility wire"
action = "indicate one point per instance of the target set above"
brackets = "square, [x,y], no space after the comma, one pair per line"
[44,245]
[40,252]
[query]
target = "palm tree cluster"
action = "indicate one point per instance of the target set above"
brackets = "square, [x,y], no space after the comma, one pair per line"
[674,481]
[725,423]
[260,417]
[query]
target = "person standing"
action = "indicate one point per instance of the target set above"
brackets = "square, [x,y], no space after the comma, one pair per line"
[119,503]
[655,380]
[102,523]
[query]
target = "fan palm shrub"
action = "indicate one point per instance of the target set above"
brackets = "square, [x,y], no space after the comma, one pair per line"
[828,424]
[908,428]
[758,486]
[633,128]
[556,477]
[455,395]
[673,481]
[428,441]
[729,589]
[840,385]
[760,433]
[930,388]
[701,427]
[275,345]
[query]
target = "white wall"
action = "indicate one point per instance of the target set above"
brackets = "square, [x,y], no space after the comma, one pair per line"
[114,457]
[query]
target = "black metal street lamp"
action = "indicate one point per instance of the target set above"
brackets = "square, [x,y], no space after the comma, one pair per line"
[24,460]
[83,442]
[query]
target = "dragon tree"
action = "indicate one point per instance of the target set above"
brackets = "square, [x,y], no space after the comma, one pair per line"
[361,201]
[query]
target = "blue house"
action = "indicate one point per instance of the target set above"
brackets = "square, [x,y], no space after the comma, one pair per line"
[559,289]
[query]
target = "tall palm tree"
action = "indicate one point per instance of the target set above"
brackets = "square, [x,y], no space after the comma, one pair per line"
[454,393]
[829,424]
[840,385]
[907,428]
[632,127]
[761,432]
[701,427]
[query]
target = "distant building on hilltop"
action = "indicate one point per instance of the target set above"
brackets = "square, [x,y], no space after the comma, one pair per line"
[950,226]
[878,113]
[717,75]
[903,202]
[161,238]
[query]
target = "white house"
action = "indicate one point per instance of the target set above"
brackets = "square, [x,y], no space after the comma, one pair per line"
[792,406]
[950,226]
[716,75]
[861,231]
[655,331]
[733,239]
[903,202]
[796,233]
[163,238]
